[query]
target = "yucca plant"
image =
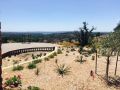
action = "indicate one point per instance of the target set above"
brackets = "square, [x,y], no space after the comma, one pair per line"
[63,70]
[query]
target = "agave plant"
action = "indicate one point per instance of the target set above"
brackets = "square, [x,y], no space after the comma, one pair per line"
[63,70]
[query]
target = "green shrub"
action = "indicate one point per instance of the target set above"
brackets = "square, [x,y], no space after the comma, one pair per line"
[37,61]
[33,88]
[46,59]
[55,54]
[51,56]
[13,81]
[63,70]
[59,51]
[31,65]
[18,67]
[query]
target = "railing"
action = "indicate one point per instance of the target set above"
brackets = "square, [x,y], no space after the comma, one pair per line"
[25,50]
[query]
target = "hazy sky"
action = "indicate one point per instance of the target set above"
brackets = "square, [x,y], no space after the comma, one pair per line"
[58,15]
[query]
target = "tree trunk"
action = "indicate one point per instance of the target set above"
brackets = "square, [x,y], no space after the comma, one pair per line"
[0,60]
[96,63]
[116,63]
[107,67]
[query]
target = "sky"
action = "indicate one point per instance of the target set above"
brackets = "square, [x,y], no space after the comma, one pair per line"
[58,15]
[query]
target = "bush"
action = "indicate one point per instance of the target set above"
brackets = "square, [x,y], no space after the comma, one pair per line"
[13,81]
[55,54]
[46,59]
[18,67]
[33,88]
[31,66]
[37,61]
[59,51]
[51,56]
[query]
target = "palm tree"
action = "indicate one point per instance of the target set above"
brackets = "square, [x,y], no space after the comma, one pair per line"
[0,60]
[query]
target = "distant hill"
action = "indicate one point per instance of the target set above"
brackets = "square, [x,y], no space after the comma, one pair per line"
[42,36]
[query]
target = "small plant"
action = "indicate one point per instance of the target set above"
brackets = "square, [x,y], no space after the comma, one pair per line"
[80,49]
[33,56]
[55,54]
[13,81]
[59,51]
[66,55]
[56,61]
[37,61]
[67,51]
[44,54]
[33,88]
[93,57]
[72,49]
[51,56]
[8,60]
[31,65]
[63,70]
[15,61]
[40,54]
[18,67]
[37,71]
[81,59]
[46,59]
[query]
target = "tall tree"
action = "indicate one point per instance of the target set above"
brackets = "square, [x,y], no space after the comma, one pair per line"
[117,44]
[108,45]
[84,35]
[0,60]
